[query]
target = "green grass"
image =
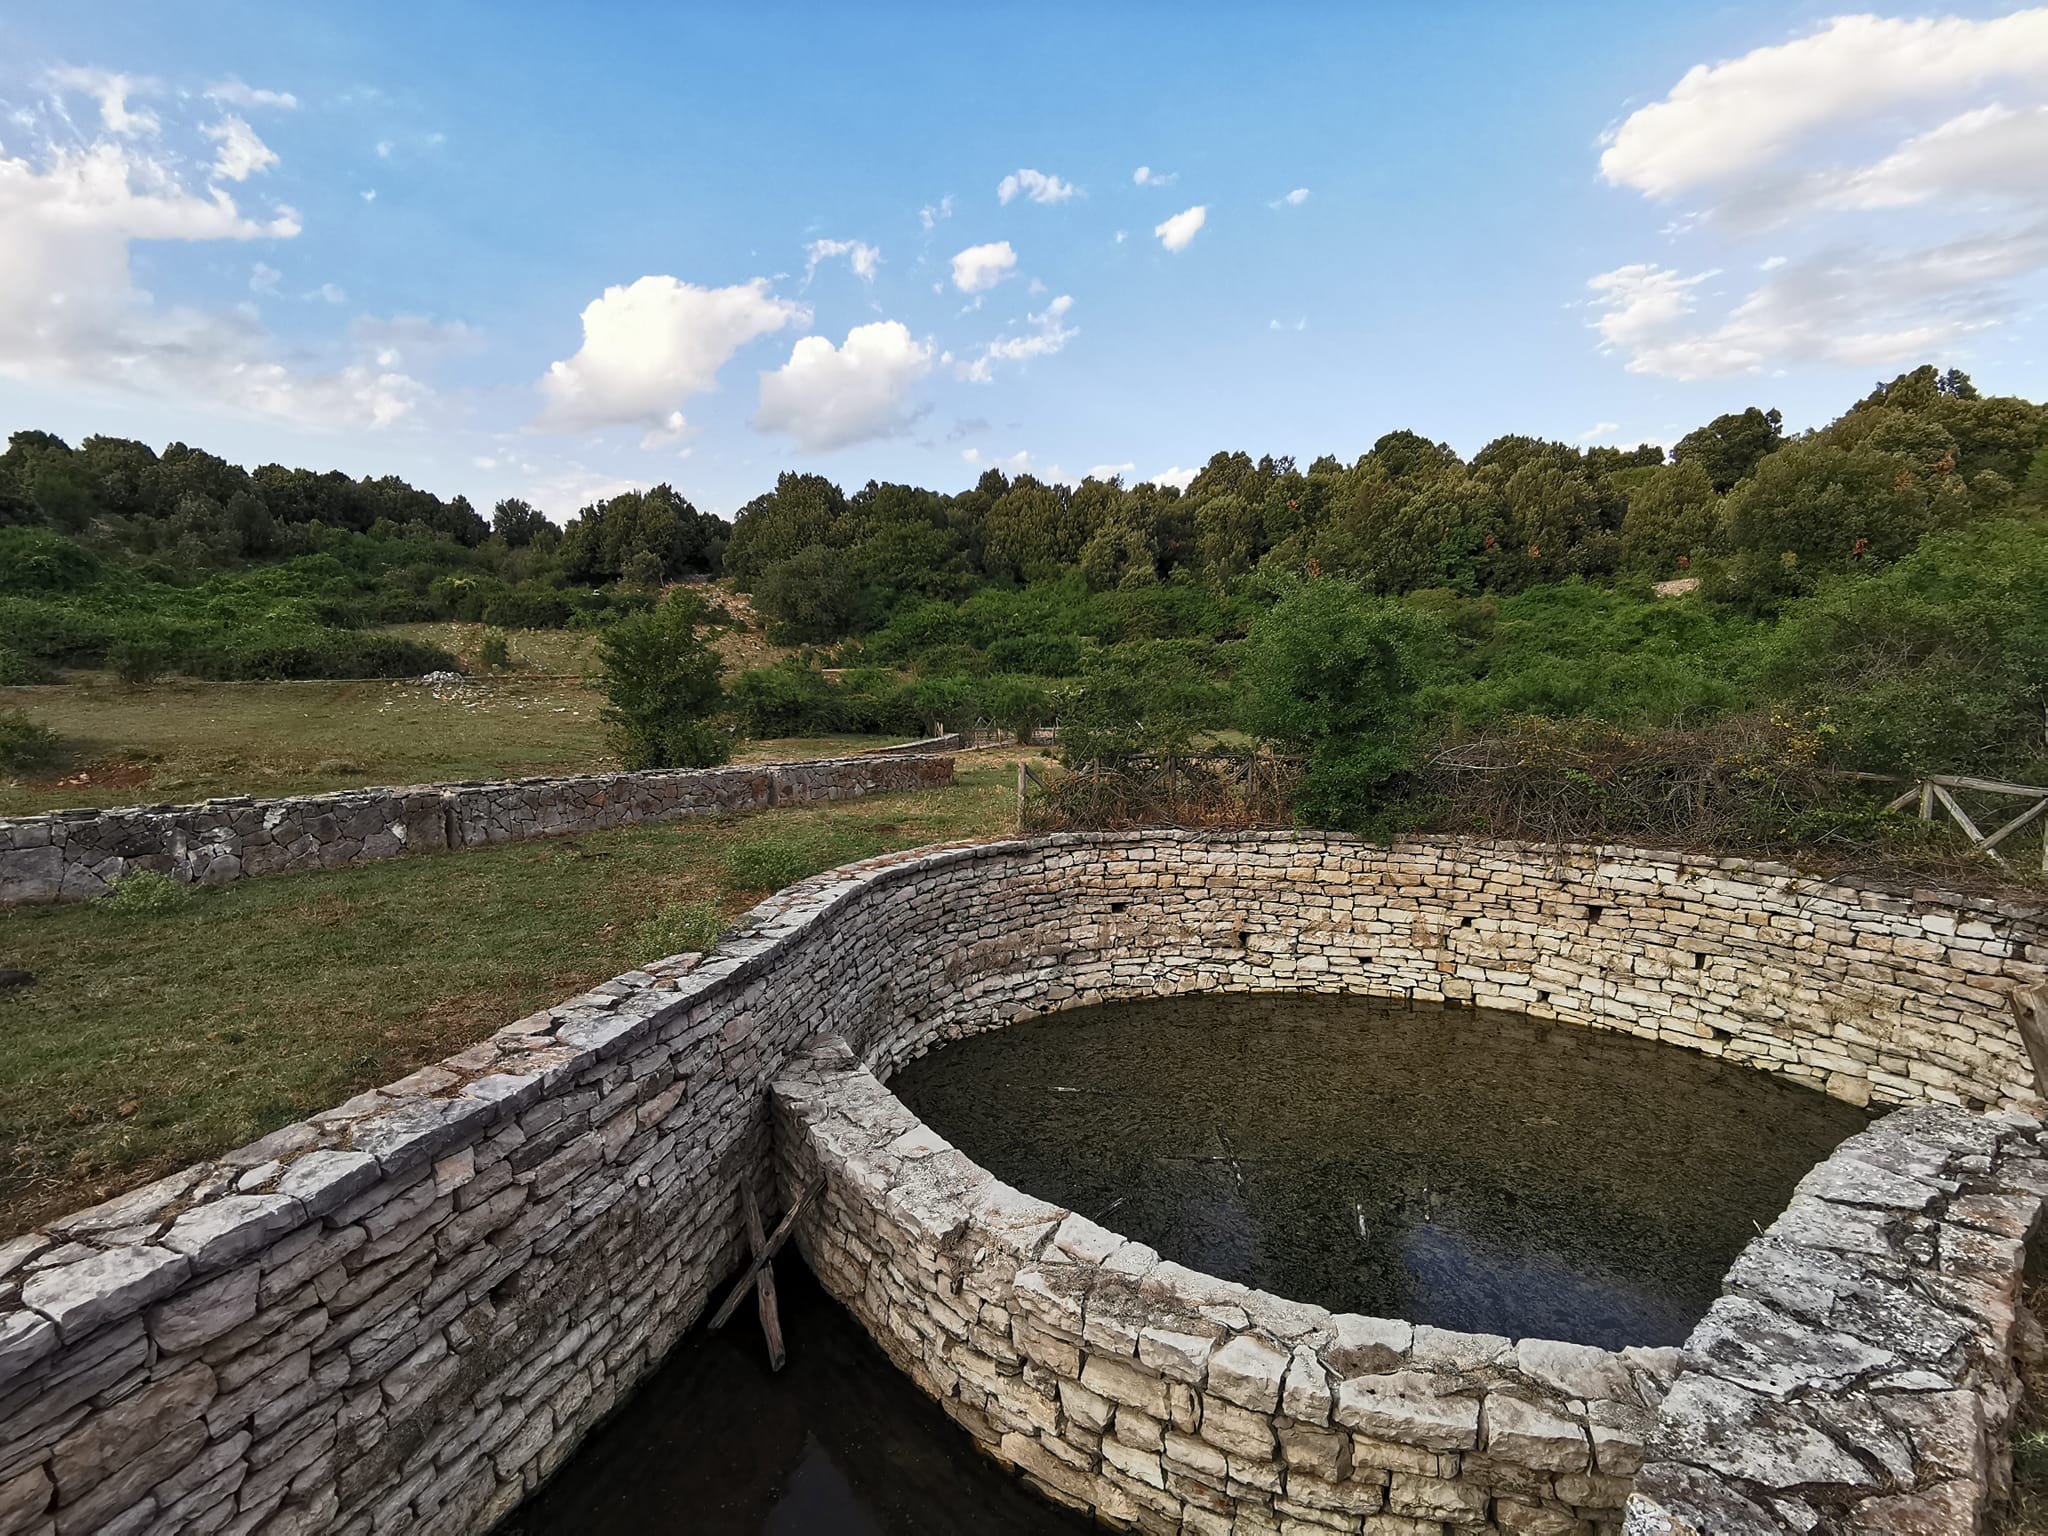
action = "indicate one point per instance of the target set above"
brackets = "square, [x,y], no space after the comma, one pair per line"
[153,1037]
[182,741]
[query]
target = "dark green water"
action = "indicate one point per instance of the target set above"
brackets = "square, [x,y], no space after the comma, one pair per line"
[1467,1168]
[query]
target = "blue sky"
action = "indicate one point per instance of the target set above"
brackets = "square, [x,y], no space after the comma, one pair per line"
[554,251]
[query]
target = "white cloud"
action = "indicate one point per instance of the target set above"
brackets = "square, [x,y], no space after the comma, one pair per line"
[931,214]
[1598,430]
[861,256]
[1300,324]
[980,267]
[1180,479]
[1995,153]
[1292,199]
[263,278]
[241,154]
[70,310]
[1036,185]
[1176,232]
[1145,176]
[112,91]
[650,344]
[232,92]
[1109,471]
[1048,333]
[1821,137]
[1122,235]
[827,397]
[1016,464]
[1737,117]
[398,339]
[329,293]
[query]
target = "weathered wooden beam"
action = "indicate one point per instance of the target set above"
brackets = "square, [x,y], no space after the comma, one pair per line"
[2030,1012]
[1905,800]
[759,1258]
[2015,824]
[1962,817]
[764,1278]
[1989,786]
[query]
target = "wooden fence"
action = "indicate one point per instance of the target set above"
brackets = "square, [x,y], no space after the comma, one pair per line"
[1939,792]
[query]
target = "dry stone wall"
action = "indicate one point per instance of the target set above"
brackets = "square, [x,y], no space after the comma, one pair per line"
[1857,1373]
[75,855]
[402,1313]
[1156,1397]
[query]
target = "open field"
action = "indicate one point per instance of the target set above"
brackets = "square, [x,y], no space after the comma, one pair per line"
[181,741]
[150,1039]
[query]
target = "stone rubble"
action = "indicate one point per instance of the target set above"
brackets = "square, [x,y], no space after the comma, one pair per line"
[405,1311]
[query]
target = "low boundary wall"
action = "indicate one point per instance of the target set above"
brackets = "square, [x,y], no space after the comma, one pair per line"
[75,855]
[404,1312]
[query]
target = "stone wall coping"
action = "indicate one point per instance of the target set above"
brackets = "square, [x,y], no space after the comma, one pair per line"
[96,1267]
[1856,1374]
[326,797]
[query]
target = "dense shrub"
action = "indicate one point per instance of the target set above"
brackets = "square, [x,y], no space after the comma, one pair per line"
[26,746]
[660,680]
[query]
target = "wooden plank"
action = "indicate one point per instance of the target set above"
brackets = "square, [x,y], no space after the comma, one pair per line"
[2015,824]
[755,1264]
[1927,800]
[1962,817]
[1905,800]
[1989,786]
[764,1276]
[2030,1012]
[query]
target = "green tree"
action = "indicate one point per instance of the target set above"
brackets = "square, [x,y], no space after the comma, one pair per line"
[810,596]
[1331,672]
[1143,697]
[1673,516]
[1730,447]
[661,683]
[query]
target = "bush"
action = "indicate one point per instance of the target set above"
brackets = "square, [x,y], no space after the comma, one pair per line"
[145,893]
[34,560]
[1331,672]
[496,651]
[528,608]
[18,669]
[679,928]
[782,856]
[26,746]
[139,658]
[661,682]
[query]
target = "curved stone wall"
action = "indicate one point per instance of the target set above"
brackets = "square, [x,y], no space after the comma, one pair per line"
[405,1311]
[1149,1394]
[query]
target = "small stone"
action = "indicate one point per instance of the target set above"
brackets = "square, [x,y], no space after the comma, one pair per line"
[1248,1371]
[1575,1370]
[1408,1408]
[1531,1434]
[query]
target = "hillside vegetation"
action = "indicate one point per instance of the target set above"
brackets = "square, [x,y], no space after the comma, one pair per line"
[1869,595]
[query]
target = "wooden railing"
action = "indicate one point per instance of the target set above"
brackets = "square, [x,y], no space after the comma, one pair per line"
[1938,791]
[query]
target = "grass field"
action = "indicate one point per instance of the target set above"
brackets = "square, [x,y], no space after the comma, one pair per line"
[152,1039]
[181,741]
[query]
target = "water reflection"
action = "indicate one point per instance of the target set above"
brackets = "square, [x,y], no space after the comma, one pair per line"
[838,1442]
[1472,1169]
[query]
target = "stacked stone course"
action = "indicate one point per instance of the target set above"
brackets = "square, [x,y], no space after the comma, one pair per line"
[405,1311]
[75,855]
[1158,1398]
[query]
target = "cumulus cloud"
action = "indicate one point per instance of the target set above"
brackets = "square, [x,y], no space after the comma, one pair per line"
[932,213]
[241,154]
[70,310]
[232,92]
[1598,430]
[111,91]
[1109,471]
[1176,232]
[1036,185]
[1046,333]
[861,256]
[1727,119]
[651,344]
[1145,176]
[1178,478]
[1016,464]
[980,267]
[827,397]
[1841,142]
[1292,199]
